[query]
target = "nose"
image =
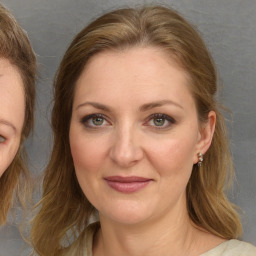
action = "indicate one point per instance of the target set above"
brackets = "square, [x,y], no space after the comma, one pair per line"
[126,149]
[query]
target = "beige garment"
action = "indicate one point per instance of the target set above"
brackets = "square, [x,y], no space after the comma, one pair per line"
[233,247]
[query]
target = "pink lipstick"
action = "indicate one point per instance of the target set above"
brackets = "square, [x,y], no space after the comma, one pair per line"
[127,184]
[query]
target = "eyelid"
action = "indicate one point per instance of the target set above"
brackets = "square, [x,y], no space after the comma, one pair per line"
[86,118]
[164,116]
[168,118]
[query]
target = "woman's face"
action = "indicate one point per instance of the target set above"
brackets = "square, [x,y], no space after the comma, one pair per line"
[134,135]
[12,112]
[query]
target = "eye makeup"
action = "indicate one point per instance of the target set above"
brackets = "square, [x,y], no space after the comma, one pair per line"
[160,121]
[94,121]
[156,121]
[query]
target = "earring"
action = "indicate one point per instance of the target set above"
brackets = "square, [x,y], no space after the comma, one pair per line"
[200,159]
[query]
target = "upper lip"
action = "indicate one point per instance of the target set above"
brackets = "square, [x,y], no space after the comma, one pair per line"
[126,179]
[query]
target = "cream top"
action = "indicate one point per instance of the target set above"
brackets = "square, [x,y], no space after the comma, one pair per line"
[233,247]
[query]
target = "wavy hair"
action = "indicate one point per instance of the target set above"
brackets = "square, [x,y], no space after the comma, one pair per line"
[64,207]
[15,47]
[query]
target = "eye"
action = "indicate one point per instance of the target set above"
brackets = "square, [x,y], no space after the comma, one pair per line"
[2,139]
[97,120]
[161,121]
[94,121]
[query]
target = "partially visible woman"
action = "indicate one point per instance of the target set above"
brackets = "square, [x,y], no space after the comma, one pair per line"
[17,95]
[140,143]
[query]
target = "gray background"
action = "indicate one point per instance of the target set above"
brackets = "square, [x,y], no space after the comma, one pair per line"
[229,29]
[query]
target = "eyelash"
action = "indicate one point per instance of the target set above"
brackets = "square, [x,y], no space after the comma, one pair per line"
[164,117]
[85,121]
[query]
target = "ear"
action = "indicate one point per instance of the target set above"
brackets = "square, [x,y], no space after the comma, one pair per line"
[205,135]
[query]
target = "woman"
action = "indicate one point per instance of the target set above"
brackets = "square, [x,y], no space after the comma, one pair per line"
[139,144]
[17,94]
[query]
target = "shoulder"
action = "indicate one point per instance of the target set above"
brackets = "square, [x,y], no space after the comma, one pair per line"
[83,245]
[232,247]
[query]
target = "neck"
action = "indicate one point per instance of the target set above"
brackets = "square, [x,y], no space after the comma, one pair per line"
[170,234]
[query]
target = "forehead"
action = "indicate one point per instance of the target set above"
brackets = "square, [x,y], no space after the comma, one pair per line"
[11,95]
[145,56]
[144,71]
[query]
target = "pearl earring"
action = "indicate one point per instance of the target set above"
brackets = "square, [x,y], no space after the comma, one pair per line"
[200,159]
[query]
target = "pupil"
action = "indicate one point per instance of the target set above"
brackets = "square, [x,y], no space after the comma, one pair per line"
[97,121]
[159,121]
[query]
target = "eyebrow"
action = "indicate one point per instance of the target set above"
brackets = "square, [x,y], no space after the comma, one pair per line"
[95,105]
[4,122]
[142,108]
[157,104]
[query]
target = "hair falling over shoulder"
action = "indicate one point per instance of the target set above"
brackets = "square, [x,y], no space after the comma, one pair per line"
[64,210]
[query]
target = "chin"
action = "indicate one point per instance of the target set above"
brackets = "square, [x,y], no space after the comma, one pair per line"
[129,214]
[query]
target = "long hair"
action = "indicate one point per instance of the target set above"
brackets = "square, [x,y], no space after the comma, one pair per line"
[15,47]
[65,210]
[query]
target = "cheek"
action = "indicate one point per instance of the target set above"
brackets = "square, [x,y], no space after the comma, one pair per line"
[86,152]
[7,154]
[173,162]
[173,156]
[3,161]
[88,158]
[81,154]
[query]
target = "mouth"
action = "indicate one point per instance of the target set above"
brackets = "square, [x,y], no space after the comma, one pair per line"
[127,184]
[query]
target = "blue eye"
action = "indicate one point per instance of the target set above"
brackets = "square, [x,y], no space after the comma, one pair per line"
[161,121]
[2,139]
[94,121]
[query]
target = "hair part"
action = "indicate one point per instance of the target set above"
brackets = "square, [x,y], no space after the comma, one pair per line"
[154,26]
[15,47]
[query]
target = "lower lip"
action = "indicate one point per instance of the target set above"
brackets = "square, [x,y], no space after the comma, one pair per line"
[128,187]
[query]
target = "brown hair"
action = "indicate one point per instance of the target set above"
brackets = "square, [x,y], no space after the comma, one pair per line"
[64,207]
[15,47]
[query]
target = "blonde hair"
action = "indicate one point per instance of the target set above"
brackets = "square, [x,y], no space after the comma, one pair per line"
[15,47]
[64,207]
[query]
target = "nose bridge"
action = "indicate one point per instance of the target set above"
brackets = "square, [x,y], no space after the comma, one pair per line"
[126,148]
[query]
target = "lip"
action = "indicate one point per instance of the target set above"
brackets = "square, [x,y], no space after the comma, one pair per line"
[127,184]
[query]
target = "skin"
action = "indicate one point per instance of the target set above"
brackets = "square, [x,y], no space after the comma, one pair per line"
[12,112]
[127,88]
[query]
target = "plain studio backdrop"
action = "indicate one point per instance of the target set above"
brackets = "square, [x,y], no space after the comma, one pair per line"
[228,28]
